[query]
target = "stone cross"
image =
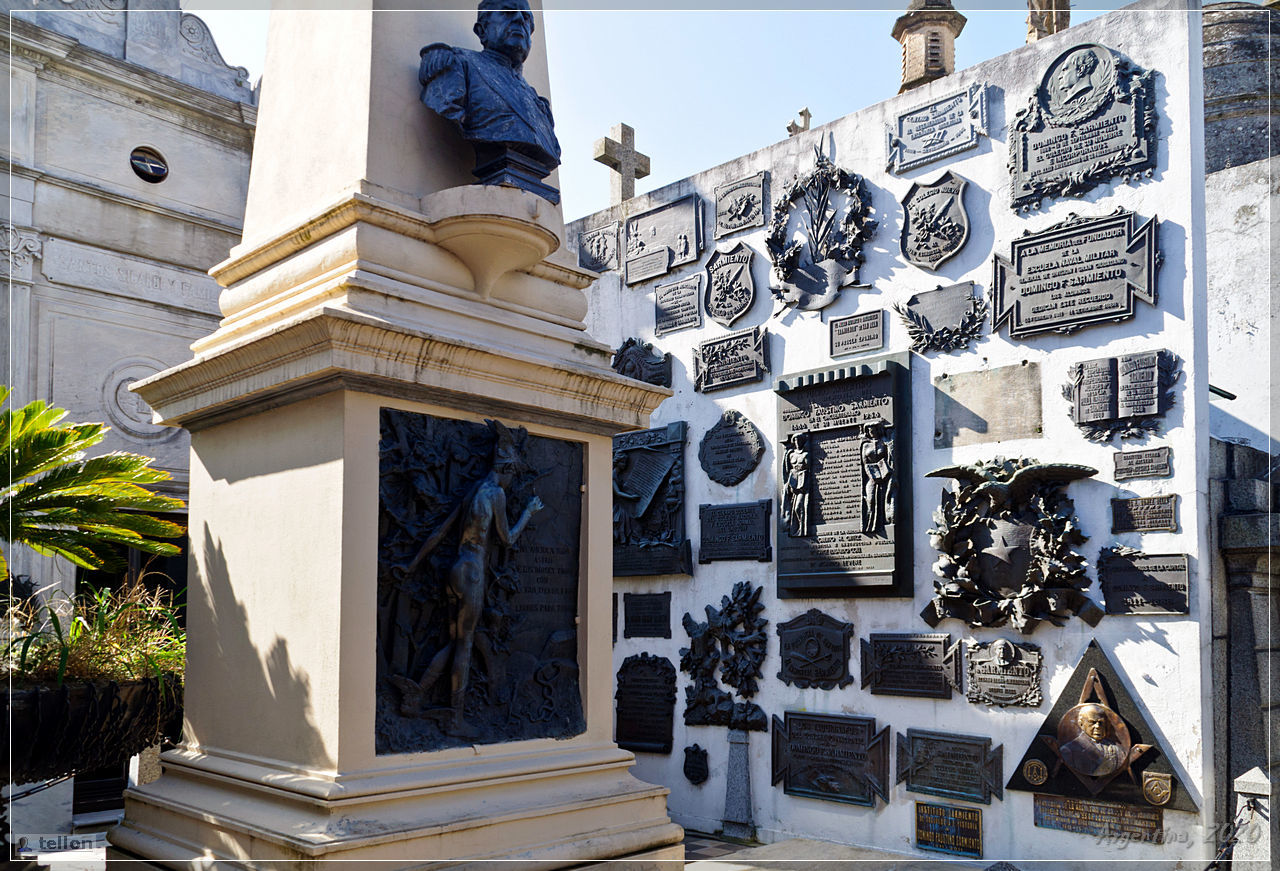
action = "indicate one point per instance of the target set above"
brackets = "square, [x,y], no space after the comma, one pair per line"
[793,128]
[620,155]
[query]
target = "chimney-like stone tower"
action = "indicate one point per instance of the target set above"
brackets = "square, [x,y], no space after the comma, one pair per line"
[1047,17]
[928,34]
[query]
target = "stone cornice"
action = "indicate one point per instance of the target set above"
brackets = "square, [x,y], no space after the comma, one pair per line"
[333,349]
[86,67]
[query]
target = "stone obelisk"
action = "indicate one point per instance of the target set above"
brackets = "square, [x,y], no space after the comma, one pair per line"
[399,607]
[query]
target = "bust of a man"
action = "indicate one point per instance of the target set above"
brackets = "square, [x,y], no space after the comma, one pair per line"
[484,92]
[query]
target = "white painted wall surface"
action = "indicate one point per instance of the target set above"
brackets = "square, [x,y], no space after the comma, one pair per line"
[1159,656]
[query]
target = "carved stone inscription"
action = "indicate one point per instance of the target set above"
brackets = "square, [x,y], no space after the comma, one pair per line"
[989,405]
[1155,463]
[1124,396]
[511,673]
[598,248]
[740,204]
[843,433]
[648,503]
[950,829]
[678,305]
[83,266]
[1138,583]
[731,449]
[815,651]
[857,333]
[1082,271]
[911,664]
[831,757]
[738,358]
[1092,119]
[1147,514]
[1085,816]
[1003,673]
[663,238]
[736,532]
[646,615]
[936,130]
[646,700]
[950,765]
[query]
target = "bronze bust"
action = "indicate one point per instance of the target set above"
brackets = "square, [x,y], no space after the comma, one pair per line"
[485,94]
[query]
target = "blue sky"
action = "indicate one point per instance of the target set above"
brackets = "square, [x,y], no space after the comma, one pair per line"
[699,87]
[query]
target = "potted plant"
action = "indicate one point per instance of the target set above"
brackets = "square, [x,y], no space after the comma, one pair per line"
[94,677]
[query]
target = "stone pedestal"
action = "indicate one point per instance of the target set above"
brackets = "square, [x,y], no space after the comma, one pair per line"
[1257,823]
[391,291]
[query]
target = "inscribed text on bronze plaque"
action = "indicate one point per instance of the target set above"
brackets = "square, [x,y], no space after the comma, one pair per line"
[1154,463]
[1145,514]
[1125,396]
[646,615]
[740,204]
[951,765]
[949,829]
[844,434]
[833,757]
[922,664]
[732,360]
[735,532]
[1091,120]
[1100,818]
[856,334]
[646,700]
[1137,583]
[1079,272]
[1002,673]
[946,126]
[935,225]
[677,305]
[731,449]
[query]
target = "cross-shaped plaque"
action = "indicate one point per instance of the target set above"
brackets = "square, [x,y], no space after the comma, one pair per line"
[619,154]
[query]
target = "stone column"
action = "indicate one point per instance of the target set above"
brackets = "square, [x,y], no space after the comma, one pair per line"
[372,277]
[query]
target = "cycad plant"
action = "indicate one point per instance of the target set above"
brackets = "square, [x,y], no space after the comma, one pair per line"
[60,503]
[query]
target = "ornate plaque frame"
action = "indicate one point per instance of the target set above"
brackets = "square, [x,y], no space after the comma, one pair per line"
[1092,119]
[844,434]
[920,664]
[814,651]
[951,765]
[947,126]
[1076,273]
[843,758]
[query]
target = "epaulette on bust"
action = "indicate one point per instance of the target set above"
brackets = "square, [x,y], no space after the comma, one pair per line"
[436,58]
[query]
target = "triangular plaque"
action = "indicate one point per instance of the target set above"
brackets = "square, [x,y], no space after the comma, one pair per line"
[1096,743]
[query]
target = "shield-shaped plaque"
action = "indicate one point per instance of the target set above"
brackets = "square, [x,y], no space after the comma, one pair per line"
[695,765]
[935,224]
[730,290]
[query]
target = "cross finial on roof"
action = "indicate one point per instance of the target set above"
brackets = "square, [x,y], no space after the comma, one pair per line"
[619,154]
[793,128]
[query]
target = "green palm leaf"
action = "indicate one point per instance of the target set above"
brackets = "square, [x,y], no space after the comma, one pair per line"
[60,503]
